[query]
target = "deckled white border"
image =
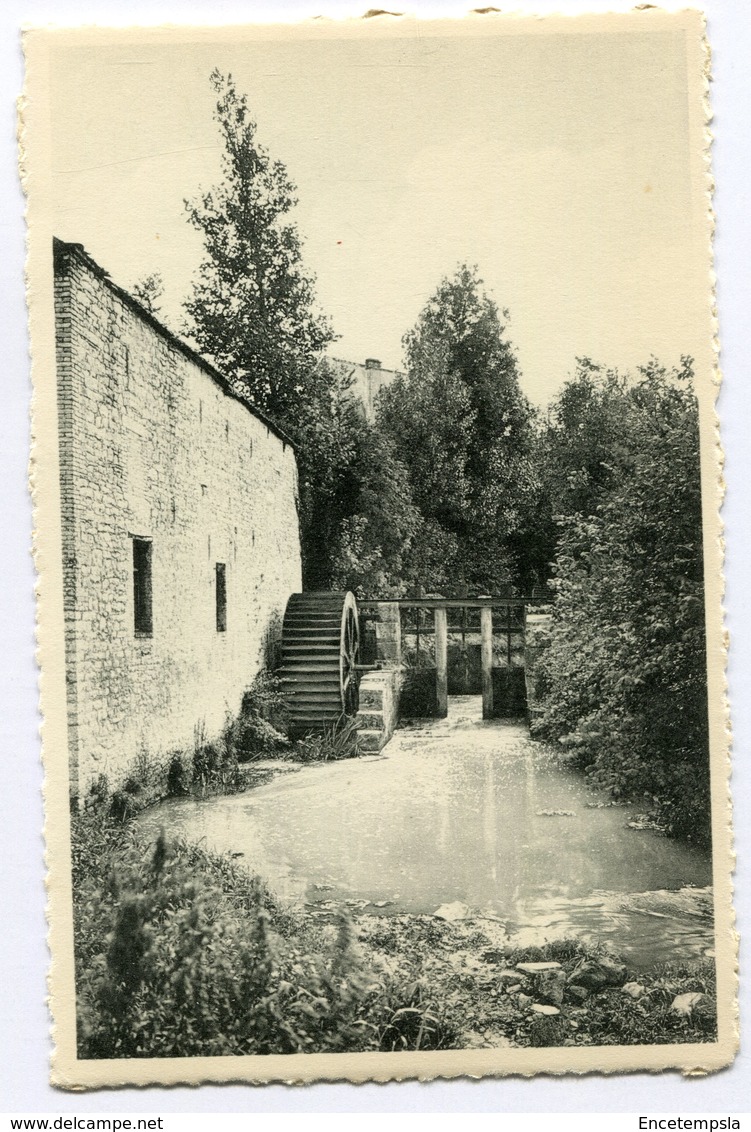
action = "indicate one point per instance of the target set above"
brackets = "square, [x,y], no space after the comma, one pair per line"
[68,1071]
[433,7]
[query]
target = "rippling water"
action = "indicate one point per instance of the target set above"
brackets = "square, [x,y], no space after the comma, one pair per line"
[462,810]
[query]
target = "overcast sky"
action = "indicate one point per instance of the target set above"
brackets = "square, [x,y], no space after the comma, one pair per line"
[559,163]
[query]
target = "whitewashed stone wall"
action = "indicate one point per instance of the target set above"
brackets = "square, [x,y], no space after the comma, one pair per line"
[154,445]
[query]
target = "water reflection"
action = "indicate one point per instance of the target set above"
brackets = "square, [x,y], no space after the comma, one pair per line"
[469,811]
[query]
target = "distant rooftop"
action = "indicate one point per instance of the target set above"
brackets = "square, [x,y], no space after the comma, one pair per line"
[368,378]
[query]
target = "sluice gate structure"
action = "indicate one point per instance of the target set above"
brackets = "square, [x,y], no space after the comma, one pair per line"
[441,647]
[382,660]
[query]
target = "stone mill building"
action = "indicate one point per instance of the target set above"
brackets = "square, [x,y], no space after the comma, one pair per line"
[179,528]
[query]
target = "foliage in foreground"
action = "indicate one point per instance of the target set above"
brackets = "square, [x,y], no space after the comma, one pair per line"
[624,678]
[180,954]
[461,963]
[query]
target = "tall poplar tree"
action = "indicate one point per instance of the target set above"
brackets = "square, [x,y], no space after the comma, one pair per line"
[253,310]
[253,313]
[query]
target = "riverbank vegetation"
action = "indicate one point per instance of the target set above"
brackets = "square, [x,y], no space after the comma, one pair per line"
[181,953]
[623,680]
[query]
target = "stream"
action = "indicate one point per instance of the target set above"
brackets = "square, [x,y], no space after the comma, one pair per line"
[467,811]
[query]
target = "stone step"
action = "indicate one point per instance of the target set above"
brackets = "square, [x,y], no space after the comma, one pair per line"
[324,619]
[370,720]
[371,699]
[311,637]
[370,740]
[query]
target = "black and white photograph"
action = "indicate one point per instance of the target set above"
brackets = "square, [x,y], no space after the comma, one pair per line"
[376,479]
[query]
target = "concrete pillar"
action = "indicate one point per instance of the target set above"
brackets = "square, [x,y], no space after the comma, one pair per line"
[486,654]
[441,662]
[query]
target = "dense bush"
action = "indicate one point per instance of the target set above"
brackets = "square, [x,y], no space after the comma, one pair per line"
[180,954]
[255,733]
[625,673]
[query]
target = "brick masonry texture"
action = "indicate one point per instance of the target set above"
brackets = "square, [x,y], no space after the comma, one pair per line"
[154,446]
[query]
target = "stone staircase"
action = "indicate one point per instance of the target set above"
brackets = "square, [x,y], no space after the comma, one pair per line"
[379,706]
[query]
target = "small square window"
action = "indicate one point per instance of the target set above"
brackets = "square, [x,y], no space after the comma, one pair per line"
[142,594]
[221,597]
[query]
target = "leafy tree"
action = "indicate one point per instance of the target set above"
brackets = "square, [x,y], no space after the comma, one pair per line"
[461,426]
[626,669]
[253,309]
[586,438]
[375,537]
[358,515]
[428,415]
[462,323]
[573,452]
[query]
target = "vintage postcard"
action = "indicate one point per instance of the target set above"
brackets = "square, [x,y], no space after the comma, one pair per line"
[376,478]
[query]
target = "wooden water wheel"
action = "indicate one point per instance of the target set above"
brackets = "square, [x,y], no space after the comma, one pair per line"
[320,653]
